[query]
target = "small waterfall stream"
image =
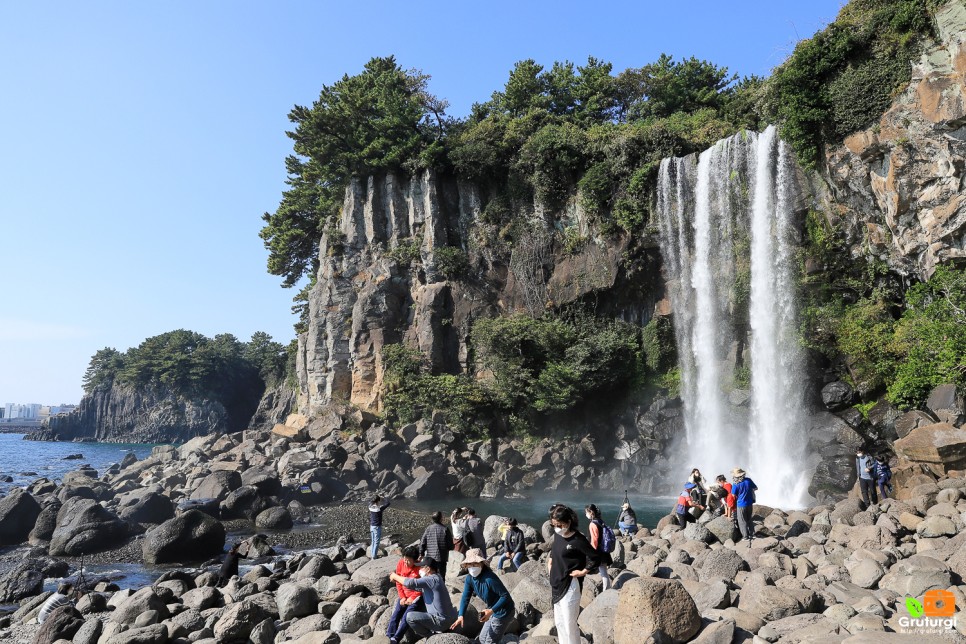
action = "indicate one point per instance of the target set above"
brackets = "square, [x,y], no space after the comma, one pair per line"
[728,242]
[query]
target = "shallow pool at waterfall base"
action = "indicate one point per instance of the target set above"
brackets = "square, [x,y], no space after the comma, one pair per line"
[533,509]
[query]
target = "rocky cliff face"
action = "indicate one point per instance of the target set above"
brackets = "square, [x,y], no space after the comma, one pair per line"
[382,281]
[896,188]
[121,414]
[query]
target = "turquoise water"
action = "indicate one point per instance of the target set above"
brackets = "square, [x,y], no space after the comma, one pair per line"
[19,457]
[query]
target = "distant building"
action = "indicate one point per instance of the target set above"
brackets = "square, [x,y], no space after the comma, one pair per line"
[46,411]
[14,412]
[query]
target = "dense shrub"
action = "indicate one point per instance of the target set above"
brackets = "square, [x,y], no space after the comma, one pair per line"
[451,262]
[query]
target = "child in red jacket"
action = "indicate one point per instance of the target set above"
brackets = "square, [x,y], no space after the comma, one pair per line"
[408,599]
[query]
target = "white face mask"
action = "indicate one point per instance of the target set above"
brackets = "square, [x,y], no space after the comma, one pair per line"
[422,573]
[476,571]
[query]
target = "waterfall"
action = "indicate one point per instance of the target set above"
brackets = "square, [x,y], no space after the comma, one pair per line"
[728,242]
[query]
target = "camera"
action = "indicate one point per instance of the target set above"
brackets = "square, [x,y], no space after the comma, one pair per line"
[939,603]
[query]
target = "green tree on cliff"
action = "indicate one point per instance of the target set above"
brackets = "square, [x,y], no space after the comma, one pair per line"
[382,119]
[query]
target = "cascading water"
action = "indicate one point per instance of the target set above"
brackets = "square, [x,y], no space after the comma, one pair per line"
[727,238]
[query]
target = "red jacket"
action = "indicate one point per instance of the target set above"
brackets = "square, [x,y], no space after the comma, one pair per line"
[730,499]
[406,571]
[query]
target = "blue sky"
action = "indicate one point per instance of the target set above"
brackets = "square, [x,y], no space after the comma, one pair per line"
[140,142]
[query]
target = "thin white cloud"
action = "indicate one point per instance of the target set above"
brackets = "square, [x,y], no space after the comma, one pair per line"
[21,330]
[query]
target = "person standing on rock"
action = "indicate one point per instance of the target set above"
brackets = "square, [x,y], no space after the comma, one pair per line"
[686,501]
[474,531]
[744,491]
[595,531]
[409,599]
[865,468]
[571,559]
[229,567]
[483,582]
[436,543]
[376,508]
[883,475]
[439,613]
[729,500]
[514,546]
[458,520]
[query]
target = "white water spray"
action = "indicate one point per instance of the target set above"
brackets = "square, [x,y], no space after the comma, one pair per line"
[724,224]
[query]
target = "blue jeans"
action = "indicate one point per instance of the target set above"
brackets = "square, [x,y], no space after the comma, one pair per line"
[493,629]
[627,528]
[375,532]
[516,562]
[425,624]
[398,623]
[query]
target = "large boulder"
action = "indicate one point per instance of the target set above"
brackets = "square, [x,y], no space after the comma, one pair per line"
[946,403]
[85,526]
[723,563]
[940,446]
[217,485]
[238,620]
[722,528]
[837,395]
[277,518]
[21,581]
[429,486]
[353,614]
[150,634]
[244,503]
[296,600]
[62,624]
[658,608]
[18,513]
[144,600]
[190,536]
[374,575]
[597,619]
[145,506]
[46,523]
[915,575]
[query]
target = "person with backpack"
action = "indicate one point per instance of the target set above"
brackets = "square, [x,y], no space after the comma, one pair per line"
[744,491]
[685,502]
[571,559]
[514,546]
[376,508]
[627,520]
[883,475]
[602,540]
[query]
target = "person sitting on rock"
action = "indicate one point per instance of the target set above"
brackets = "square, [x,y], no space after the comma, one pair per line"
[700,488]
[685,502]
[376,508]
[744,491]
[483,582]
[439,613]
[408,598]
[883,475]
[716,499]
[627,520]
[514,546]
[60,598]
[864,468]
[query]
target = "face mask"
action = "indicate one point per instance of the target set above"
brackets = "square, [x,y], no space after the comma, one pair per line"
[589,517]
[422,573]
[476,571]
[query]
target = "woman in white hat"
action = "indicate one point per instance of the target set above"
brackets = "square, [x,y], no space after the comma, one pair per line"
[483,582]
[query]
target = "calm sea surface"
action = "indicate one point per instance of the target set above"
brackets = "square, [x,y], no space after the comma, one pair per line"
[18,458]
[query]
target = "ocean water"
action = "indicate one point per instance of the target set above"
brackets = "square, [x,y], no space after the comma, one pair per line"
[18,458]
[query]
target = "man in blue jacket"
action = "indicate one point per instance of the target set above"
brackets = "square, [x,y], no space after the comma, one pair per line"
[744,491]
[483,582]
[865,467]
